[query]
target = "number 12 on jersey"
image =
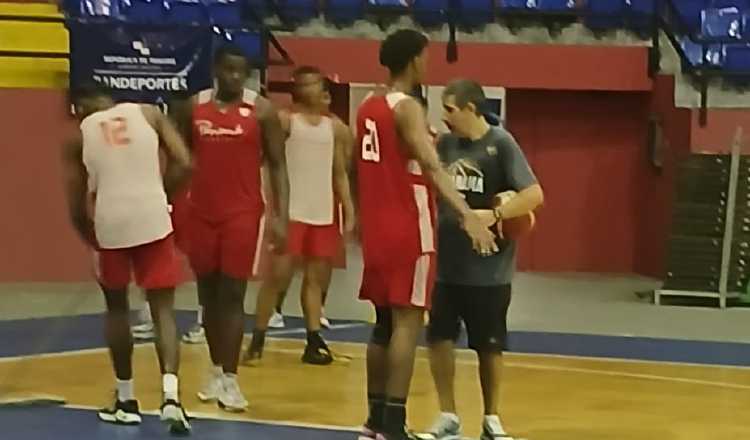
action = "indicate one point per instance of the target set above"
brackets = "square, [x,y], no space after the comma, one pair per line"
[370,142]
[115,132]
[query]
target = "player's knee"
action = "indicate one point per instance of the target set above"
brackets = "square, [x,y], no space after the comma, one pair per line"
[116,300]
[489,348]
[383,329]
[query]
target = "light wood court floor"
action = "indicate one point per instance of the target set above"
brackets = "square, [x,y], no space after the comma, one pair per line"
[544,398]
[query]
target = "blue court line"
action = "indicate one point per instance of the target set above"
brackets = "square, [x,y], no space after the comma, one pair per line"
[42,423]
[54,335]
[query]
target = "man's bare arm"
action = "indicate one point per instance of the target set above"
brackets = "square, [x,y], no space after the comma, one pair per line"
[76,189]
[341,184]
[412,127]
[274,138]
[179,164]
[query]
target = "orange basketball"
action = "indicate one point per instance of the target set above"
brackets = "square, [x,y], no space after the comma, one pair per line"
[513,228]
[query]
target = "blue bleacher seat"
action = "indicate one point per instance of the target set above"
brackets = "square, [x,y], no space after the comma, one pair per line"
[430,12]
[555,5]
[249,41]
[739,4]
[298,11]
[737,58]
[143,11]
[517,4]
[605,14]
[693,51]
[389,3]
[689,12]
[721,23]
[186,12]
[101,8]
[225,13]
[477,12]
[257,8]
[344,12]
[640,13]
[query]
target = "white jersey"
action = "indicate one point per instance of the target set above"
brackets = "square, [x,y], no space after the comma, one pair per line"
[121,155]
[309,160]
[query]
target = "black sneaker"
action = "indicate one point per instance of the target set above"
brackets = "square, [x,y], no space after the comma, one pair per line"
[121,413]
[317,353]
[176,418]
[254,352]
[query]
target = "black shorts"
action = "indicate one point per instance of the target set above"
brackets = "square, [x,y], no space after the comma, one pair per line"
[484,311]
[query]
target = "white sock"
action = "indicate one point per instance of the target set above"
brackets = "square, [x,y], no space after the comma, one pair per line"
[493,422]
[200,316]
[217,371]
[170,386]
[125,390]
[450,416]
[230,377]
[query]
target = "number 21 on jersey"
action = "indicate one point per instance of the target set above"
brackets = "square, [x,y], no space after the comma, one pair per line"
[370,142]
[115,132]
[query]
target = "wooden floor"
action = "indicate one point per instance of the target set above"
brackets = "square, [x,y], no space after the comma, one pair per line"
[544,398]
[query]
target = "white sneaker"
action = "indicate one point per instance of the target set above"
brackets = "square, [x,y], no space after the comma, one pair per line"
[231,398]
[325,323]
[276,321]
[196,335]
[173,414]
[143,331]
[212,387]
[446,427]
[492,429]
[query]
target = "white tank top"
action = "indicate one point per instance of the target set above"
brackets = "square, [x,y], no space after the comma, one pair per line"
[121,155]
[309,160]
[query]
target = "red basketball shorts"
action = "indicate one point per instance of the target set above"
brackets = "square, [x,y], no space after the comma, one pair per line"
[231,247]
[313,241]
[400,284]
[155,265]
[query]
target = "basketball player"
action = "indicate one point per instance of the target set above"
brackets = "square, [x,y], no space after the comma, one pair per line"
[231,130]
[483,161]
[116,160]
[316,146]
[397,169]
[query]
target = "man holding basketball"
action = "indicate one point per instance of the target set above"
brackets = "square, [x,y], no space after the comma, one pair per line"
[484,161]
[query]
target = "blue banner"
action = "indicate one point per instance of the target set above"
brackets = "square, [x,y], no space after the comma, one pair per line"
[141,63]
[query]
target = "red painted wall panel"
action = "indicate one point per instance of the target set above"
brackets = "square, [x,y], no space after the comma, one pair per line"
[522,66]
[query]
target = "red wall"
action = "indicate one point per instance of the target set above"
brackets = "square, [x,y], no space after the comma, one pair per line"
[37,242]
[588,151]
[718,134]
[526,66]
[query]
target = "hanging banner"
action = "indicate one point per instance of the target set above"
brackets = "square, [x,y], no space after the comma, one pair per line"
[141,63]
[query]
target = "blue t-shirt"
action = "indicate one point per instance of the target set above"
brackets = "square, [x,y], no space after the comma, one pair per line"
[481,169]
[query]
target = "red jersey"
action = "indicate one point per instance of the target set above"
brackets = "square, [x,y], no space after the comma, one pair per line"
[228,153]
[397,210]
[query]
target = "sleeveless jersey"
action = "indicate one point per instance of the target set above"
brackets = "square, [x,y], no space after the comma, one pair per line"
[397,211]
[227,153]
[121,155]
[309,160]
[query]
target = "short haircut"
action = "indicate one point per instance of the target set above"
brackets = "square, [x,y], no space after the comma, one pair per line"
[227,50]
[465,92]
[306,70]
[400,48]
[89,90]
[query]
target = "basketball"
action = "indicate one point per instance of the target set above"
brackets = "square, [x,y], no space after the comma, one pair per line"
[514,228]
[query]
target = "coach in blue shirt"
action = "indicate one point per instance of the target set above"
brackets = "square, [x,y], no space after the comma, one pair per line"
[484,160]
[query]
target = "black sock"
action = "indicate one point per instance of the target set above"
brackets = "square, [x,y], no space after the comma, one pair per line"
[314,339]
[377,408]
[394,416]
[259,338]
